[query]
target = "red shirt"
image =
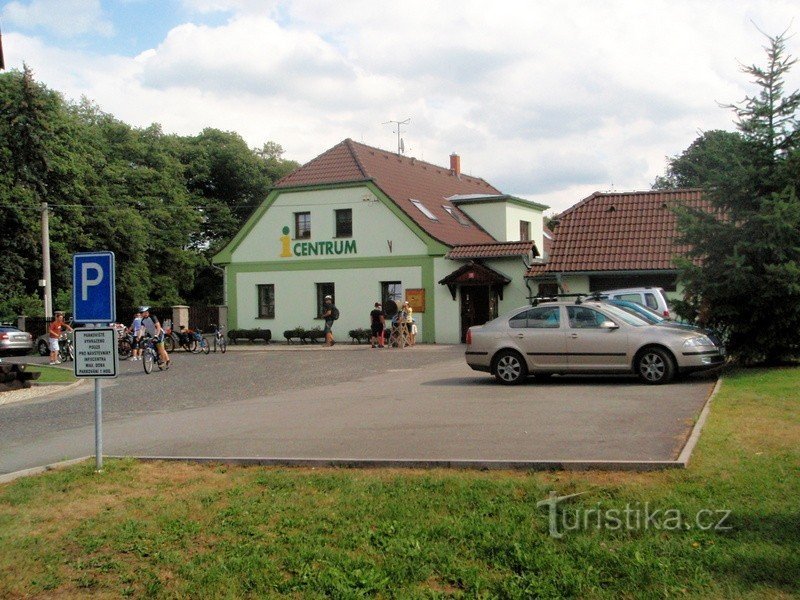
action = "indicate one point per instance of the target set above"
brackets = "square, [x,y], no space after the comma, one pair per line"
[55,329]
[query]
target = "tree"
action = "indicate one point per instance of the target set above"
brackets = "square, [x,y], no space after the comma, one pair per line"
[743,269]
[162,203]
[712,157]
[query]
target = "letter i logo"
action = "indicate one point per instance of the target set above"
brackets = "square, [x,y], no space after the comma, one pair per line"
[285,244]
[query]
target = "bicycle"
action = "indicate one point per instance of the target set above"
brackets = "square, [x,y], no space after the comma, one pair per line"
[150,356]
[66,351]
[219,339]
[124,345]
[200,342]
[179,339]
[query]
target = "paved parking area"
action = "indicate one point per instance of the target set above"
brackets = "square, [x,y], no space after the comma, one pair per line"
[354,403]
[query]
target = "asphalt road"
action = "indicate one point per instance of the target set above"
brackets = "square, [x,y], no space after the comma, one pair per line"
[352,403]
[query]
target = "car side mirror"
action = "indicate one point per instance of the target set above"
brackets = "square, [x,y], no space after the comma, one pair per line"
[610,325]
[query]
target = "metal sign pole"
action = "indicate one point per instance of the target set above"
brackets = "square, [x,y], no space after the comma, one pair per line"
[98,425]
[94,301]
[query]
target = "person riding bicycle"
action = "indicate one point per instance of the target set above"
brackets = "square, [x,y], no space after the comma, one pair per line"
[152,326]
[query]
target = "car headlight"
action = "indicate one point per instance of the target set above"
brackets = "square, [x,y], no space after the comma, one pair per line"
[702,340]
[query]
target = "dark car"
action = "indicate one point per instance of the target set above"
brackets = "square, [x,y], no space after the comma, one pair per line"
[14,341]
[654,318]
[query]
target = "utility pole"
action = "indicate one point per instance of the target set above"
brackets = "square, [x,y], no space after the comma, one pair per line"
[400,145]
[48,290]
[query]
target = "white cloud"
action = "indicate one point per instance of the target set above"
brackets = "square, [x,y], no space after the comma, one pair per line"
[65,18]
[545,100]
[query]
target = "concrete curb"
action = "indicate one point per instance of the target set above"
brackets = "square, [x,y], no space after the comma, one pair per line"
[8,477]
[694,436]
[45,389]
[378,463]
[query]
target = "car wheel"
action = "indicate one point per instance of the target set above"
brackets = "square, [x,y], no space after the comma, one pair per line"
[42,348]
[510,368]
[655,366]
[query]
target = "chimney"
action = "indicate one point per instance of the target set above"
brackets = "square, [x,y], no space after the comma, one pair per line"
[455,164]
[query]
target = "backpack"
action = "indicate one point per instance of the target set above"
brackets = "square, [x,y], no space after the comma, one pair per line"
[335,313]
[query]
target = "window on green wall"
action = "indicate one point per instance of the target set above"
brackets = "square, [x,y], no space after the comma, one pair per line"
[344,223]
[266,301]
[391,290]
[302,225]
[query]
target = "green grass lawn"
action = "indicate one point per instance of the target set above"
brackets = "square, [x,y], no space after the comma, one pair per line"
[191,531]
[52,374]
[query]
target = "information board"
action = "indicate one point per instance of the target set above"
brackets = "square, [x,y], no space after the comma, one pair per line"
[416,299]
[96,352]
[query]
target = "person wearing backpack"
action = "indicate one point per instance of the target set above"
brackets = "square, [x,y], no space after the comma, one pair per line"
[330,313]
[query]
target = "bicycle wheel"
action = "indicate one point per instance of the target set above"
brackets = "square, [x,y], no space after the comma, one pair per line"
[192,346]
[169,343]
[147,360]
[205,346]
[124,349]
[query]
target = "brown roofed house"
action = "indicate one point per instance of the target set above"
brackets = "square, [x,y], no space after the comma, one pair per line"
[616,240]
[362,224]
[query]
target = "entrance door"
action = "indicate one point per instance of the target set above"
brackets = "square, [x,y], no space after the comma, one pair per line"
[477,307]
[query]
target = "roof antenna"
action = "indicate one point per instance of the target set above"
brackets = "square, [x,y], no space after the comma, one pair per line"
[400,145]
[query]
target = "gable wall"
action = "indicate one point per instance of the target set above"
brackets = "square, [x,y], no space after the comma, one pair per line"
[373,226]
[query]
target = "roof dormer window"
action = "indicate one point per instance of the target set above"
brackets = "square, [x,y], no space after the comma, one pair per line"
[424,210]
[462,220]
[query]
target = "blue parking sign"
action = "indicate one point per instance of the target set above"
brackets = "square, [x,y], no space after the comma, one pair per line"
[94,294]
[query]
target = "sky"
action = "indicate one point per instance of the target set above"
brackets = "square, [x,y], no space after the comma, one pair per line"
[546,100]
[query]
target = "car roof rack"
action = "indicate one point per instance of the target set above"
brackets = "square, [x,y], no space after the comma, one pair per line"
[579,298]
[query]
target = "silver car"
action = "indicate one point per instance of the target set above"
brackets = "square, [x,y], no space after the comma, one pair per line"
[14,341]
[585,337]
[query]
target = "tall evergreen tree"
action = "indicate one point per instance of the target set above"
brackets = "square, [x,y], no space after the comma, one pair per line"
[743,271]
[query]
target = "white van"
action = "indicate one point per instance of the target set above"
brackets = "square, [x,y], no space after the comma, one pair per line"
[651,297]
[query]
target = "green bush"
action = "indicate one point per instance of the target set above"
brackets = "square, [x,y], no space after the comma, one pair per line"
[357,335]
[250,335]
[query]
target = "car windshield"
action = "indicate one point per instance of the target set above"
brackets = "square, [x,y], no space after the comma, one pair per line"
[9,329]
[625,316]
[645,313]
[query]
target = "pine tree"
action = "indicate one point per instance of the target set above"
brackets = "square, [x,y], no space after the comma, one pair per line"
[744,267]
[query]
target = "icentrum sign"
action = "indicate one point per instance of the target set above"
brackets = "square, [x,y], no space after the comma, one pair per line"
[93,287]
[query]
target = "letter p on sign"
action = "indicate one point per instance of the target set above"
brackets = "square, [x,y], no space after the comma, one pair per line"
[87,281]
[93,287]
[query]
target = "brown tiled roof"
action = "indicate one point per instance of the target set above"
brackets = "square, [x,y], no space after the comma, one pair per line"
[496,250]
[475,274]
[619,232]
[402,179]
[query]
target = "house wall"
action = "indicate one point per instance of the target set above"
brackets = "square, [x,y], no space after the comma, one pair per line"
[501,219]
[448,314]
[411,258]
[356,291]
[490,215]
[515,214]
[374,226]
